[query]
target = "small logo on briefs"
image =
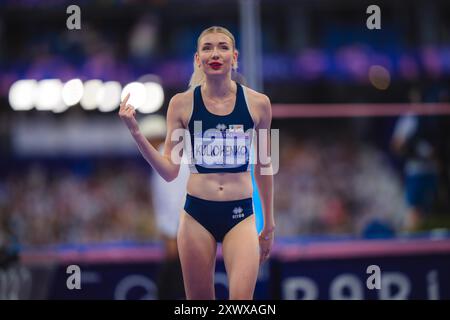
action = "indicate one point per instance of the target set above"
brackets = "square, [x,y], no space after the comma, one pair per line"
[238,213]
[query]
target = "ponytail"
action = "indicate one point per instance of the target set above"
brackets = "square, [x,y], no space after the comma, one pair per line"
[197,78]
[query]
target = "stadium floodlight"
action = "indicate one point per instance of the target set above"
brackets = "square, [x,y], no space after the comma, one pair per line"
[138,94]
[108,98]
[21,95]
[147,95]
[379,77]
[91,91]
[49,94]
[155,97]
[60,108]
[72,92]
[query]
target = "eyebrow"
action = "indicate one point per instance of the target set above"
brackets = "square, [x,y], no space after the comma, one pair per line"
[209,43]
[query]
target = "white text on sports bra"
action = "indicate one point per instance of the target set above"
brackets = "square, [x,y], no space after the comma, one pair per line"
[221,147]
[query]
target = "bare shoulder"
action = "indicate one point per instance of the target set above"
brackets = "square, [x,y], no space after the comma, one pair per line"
[180,106]
[259,104]
[257,97]
[181,100]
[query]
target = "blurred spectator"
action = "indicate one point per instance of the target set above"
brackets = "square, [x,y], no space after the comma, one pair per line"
[144,39]
[411,142]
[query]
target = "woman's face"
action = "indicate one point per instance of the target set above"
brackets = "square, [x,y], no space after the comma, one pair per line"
[215,54]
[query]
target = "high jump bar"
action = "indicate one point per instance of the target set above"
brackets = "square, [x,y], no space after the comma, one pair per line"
[283,111]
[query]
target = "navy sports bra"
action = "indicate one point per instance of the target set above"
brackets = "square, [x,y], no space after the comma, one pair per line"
[220,144]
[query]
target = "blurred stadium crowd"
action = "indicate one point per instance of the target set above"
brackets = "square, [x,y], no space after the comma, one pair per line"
[320,46]
[333,185]
[329,184]
[356,190]
[42,205]
[111,202]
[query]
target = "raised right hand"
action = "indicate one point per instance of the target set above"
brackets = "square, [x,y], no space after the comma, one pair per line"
[127,113]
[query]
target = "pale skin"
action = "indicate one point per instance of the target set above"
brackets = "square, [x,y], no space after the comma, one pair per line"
[243,249]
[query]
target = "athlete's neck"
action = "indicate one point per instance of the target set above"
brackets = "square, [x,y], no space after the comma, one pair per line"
[219,88]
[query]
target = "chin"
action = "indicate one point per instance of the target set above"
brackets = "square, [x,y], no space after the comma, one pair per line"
[218,73]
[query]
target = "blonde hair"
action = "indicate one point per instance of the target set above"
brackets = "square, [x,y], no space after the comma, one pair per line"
[198,76]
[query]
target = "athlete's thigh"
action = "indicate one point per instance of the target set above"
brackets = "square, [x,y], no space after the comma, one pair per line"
[241,257]
[197,251]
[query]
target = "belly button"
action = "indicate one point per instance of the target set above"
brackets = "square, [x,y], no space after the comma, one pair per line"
[220,188]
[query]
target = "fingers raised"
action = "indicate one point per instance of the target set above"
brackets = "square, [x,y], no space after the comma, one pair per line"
[124,102]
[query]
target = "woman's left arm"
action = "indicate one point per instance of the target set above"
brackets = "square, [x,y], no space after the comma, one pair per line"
[264,175]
